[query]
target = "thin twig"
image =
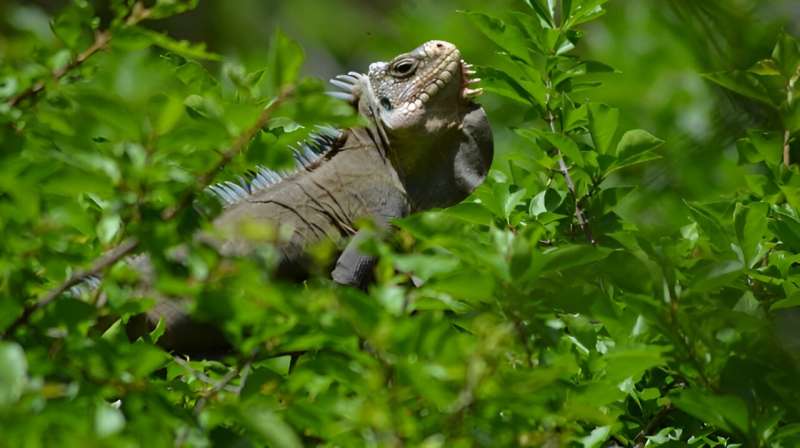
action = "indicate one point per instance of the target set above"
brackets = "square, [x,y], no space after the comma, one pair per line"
[217,387]
[224,382]
[582,221]
[99,266]
[787,134]
[690,352]
[237,147]
[200,375]
[641,438]
[101,40]
[787,160]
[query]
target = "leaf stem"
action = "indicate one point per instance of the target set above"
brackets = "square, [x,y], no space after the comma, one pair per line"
[641,438]
[787,160]
[787,134]
[579,214]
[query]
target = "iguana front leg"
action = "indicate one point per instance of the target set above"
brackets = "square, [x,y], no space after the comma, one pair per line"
[354,267]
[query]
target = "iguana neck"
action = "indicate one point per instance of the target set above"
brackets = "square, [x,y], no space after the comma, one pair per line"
[442,165]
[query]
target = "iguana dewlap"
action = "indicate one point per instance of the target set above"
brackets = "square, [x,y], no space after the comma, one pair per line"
[426,144]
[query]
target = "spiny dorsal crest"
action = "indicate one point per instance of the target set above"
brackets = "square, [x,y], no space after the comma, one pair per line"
[307,156]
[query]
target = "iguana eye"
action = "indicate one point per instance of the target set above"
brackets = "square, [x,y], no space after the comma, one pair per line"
[404,67]
[386,104]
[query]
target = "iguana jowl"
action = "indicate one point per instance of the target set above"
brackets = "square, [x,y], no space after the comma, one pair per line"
[426,144]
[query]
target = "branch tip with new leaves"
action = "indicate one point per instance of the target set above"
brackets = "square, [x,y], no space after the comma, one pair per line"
[101,40]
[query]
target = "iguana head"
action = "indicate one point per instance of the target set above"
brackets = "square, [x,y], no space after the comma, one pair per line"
[419,111]
[426,88]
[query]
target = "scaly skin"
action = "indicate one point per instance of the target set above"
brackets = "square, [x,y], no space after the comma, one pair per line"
[426,145]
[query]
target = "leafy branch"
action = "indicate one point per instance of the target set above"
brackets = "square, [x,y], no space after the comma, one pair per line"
[106,261]
[562,165]
[102,38]
[100,265]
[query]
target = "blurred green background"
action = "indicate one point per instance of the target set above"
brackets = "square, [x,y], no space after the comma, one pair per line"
[660,48]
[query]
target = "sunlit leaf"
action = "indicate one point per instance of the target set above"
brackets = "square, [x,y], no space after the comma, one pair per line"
[13,373]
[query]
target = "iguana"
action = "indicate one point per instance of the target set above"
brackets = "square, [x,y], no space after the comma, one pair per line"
[425,145]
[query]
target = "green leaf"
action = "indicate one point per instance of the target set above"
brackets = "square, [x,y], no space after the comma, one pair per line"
[603,121]
[787,228]
[108,420]
[511,202]
[529,93]
[547,200]
[284,60]
[742,83]
[597,437]
[635,147]
[716,275]
[761,146]
[426,266]
[787,55]
[75,25]
[790,113]
[765,67]
[566,145]
[181,47]
[169,8]
[710,223]
[568,257]
[471,212]
[789,302]
[507,36]
[13,373]
[633,362]
[542,11]
[585,11]
[108,228]
[636,142]
[726,412]
[580,69]
[465,284]
[750,224]
[270,427]
[536,35]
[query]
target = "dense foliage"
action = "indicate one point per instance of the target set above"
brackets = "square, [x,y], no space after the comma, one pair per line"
[542,311]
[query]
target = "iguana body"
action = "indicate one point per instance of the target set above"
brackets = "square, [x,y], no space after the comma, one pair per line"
[425,145]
